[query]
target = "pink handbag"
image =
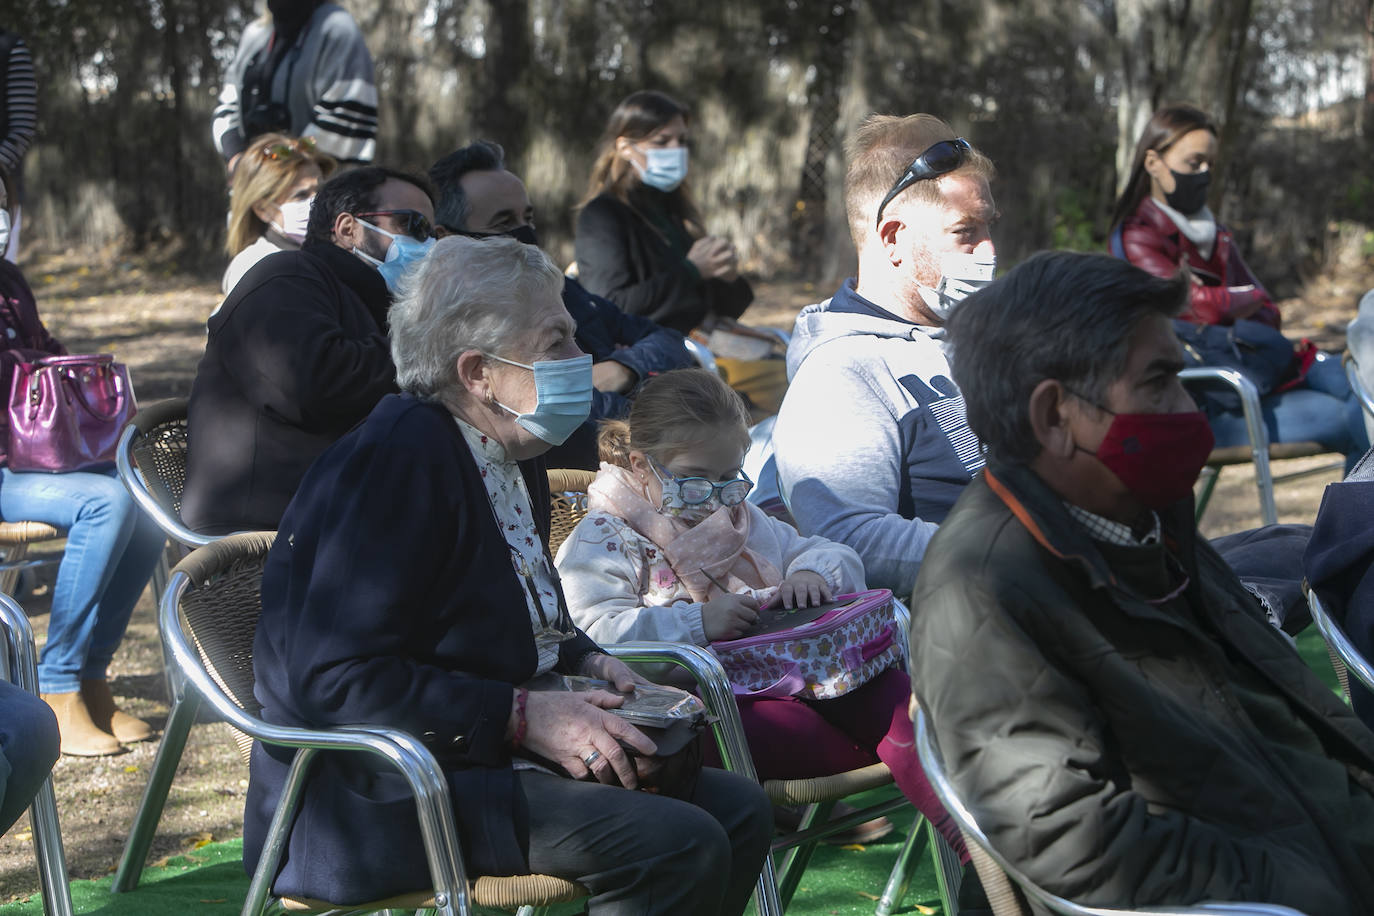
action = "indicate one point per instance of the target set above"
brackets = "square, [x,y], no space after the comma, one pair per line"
[66,412]
[815,653]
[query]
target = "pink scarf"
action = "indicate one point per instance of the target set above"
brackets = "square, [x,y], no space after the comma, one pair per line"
[716,548]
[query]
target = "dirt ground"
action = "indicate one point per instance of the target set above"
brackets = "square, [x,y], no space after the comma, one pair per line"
[152,318]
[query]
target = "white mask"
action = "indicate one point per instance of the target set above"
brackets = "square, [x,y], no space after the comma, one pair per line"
[4,230]
[960,275]
[664,168]
[294,216]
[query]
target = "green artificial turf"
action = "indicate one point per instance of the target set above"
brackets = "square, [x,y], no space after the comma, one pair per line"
[210,880]
[839,882]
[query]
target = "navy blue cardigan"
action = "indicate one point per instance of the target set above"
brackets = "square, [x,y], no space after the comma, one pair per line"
[389,598]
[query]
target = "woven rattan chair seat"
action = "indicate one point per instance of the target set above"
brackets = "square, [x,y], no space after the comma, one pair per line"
[507,893]
[12,533]
[827,788]
[1278,451]
[568,502]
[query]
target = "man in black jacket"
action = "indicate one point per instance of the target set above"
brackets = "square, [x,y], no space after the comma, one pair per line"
[476,196]
[298,352]
[1110,701]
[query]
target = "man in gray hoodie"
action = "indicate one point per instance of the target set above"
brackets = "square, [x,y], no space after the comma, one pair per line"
[871,444]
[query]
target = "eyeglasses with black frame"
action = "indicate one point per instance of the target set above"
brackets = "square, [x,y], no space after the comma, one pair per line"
[938,159]
[412,222]
[693,491]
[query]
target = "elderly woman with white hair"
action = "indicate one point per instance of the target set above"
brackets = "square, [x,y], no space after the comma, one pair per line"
[410,585]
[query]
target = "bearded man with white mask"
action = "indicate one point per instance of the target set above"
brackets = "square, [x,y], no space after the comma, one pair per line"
[872,446]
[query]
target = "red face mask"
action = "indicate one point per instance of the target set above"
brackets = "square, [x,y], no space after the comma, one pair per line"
[1157,455]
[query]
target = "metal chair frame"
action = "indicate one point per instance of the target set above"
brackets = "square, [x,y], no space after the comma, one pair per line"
[929,751]
[701,353]
[19,665]
[1352,375]
[413,759]
[799,846]
[1259,445]
[164,417]
[135,478]
[1340,644]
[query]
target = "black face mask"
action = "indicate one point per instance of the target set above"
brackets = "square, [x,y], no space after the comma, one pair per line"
[1190,192]
[290,16]
[523,234]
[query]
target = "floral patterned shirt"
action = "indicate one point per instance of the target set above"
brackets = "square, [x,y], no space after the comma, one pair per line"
[510,503]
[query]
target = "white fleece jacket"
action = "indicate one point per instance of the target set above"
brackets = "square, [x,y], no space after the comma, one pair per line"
[619,587]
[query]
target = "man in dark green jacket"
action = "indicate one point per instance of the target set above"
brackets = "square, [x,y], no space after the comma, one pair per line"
[1110,701]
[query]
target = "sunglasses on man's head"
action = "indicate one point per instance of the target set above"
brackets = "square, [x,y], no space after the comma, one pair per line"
[938,159]
[303,147]
[411,222]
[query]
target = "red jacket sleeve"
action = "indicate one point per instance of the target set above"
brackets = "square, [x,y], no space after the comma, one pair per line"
[1155,253]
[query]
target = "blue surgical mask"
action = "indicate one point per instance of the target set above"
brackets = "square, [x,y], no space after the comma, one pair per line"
[404,251]
[664,168]
[563,397]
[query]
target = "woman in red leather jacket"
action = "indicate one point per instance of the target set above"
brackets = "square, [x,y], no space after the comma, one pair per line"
[1162,223]
[1165,224]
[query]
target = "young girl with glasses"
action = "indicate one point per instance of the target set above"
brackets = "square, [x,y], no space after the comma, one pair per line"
[671,550]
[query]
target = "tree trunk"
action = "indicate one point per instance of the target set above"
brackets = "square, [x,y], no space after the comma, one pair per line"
[1178,51]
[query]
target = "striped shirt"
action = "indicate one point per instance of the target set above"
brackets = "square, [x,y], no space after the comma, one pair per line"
[20,113]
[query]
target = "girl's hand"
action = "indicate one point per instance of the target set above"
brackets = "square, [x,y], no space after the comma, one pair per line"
[803,588]
[607,668]
[728,616]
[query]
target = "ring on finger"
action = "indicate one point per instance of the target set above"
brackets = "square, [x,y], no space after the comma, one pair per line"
[591,758]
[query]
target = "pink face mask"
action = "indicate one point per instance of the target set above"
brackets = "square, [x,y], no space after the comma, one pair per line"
[1157,456]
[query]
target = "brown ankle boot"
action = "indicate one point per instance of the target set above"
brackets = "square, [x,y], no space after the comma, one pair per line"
[106,716]
[80,736]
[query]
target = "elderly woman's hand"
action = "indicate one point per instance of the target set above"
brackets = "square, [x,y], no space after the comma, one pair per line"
[575,731]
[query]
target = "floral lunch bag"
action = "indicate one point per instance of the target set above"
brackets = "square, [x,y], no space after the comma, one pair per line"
[816,653]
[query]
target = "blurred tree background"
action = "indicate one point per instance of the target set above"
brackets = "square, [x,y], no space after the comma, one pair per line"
[1055,91]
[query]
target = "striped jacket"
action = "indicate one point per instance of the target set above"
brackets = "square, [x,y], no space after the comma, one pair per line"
[19,105]
[325,81]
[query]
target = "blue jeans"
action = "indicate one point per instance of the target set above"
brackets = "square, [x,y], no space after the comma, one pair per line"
[28,749]
[1323,410]
[112,548]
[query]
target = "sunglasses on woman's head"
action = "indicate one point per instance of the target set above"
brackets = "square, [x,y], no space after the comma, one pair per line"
[411,222]
[938,159]
[290,149]
[693,491]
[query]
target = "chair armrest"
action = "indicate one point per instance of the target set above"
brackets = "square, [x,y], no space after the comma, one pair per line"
[712,685]
[933,764]
[701,353]
[1335,637]
[1352,375]
[138,489]
[1244,389]
[405,752]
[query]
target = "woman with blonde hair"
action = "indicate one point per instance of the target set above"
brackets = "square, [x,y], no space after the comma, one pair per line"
[641,242]
[273,188]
